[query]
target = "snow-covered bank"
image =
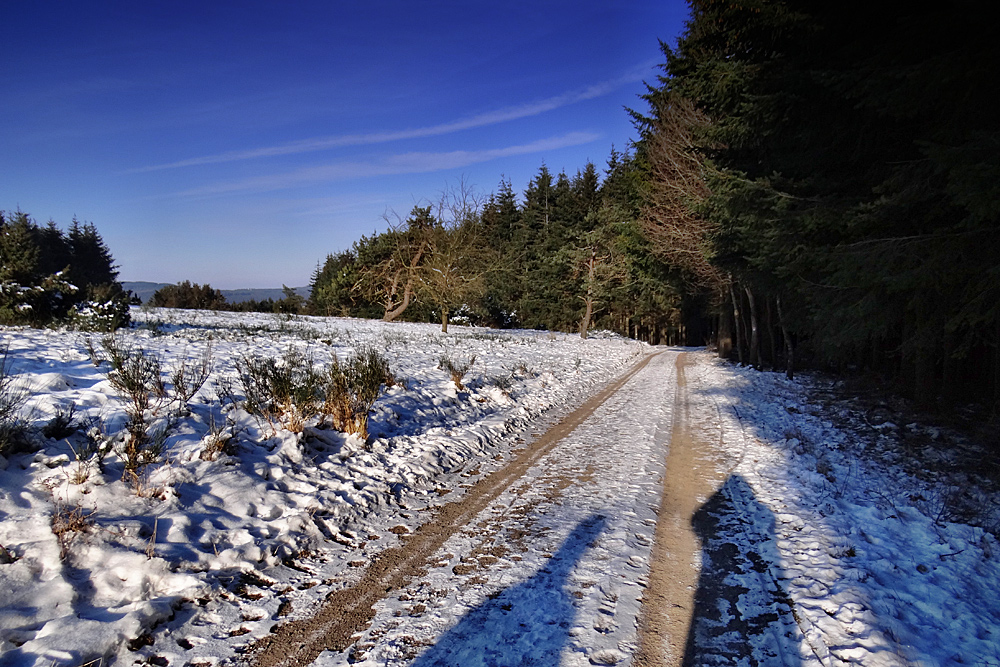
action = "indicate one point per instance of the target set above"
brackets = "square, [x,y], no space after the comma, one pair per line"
[209,553]
[877,568]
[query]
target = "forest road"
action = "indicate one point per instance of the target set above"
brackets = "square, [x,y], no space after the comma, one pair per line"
[579,551]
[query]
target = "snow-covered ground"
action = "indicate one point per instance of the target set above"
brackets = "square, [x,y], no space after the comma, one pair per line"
[825,547]
[208,553]
[863,549]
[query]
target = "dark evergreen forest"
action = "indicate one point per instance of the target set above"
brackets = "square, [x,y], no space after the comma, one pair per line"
[48,275]
[811,182]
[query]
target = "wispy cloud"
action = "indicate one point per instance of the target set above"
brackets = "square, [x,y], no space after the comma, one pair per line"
[480,120]
[403,163]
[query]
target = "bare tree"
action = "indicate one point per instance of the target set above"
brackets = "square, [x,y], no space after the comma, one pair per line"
[390,275]
[459,257]
[677,186]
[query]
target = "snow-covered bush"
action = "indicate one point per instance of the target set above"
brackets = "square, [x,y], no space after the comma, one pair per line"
[353,387]
[12,396]
[136,376]
[106,310]
[35,304]
[457,368]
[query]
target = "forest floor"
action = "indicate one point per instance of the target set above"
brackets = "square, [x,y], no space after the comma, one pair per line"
[607,503]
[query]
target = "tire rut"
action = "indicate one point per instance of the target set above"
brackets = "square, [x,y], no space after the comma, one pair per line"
[669,601]
[348,611]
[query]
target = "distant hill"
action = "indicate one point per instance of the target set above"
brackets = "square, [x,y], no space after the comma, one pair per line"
[145,291]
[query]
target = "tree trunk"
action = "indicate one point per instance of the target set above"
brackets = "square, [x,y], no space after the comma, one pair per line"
[789,350]
[393,313]
[772,339]
[589,299]
[923,359]
[724,339]
[754,332]
[736,321]
[948,374]
[588,313]
[444,320]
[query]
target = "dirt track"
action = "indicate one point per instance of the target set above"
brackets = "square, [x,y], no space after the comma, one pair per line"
[348,612]
[669,603]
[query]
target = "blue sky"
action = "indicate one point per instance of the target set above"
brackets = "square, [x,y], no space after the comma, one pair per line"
[237,144]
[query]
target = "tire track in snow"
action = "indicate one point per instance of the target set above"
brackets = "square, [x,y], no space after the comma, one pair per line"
[348,612]
[669,602]
[714,596]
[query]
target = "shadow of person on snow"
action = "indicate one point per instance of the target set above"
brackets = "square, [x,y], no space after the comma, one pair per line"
[742,614]
[527,624]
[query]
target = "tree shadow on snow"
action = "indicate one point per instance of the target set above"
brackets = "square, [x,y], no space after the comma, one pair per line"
[742,614]
[525,625]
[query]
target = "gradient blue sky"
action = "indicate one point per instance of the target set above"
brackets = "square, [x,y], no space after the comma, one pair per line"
[237,144]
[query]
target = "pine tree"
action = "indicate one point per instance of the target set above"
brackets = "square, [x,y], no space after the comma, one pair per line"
[850,160]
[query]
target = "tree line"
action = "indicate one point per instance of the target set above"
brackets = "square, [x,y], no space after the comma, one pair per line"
[833,169]
[811,183]
[49,275]
[186,294]
[567,256]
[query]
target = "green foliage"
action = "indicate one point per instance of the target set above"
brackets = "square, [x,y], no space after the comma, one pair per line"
[137,378]
[284,391]
[503,263]
[48,276]
[353,387]
[851,160]
[336,288]
[106,309]
[188,295]
[291,390]
[62,424]
[13,435]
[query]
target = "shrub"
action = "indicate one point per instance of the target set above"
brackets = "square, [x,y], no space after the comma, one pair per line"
[106,309]
[353,387]
[290,390]
[61,425]
[502,382]
[286,391]
[13,433]
[188,379]
[456,368]
[136,377]
[66,522]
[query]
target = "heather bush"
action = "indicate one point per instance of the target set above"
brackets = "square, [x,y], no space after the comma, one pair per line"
[457,368]
[353,387]
[13,432]
[284,391]
[137,378]
[290,390]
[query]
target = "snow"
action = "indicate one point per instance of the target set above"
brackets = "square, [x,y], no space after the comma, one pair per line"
[844,554]
[208,549]
[876,578]
[552,571]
